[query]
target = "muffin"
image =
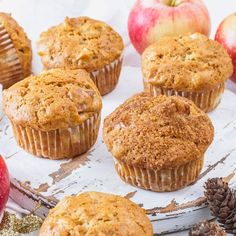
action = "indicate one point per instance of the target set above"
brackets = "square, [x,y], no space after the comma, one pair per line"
[55,114]
[158,142]
[93,214]
[15,51]
[84,43]
[191,66]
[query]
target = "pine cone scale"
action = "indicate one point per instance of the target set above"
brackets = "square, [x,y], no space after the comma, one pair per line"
[222,203]
[206,228]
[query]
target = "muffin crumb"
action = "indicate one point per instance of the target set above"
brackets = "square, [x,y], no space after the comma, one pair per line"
[191,62]
[157,132]
[79,43]
[95,213]
[53,99]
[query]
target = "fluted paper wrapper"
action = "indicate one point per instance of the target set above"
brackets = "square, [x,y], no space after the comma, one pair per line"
[10,67]
[107,77]
[60,143]
[206,101]
[166,180]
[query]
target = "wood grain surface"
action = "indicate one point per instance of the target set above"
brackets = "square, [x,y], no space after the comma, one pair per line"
[38,184]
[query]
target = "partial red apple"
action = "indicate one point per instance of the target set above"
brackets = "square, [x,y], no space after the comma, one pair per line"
[4,185]
[226,35]
[151,19]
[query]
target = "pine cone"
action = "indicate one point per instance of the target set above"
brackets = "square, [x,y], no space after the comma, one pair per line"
[230,224]
[222,203]
[206,228]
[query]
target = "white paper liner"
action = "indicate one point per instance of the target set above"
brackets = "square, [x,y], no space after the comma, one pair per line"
[206,101]
[107,78]
[60,143]
[166,180]
[11,69]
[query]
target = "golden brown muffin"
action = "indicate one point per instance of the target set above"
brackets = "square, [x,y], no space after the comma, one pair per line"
[55,114]
[192,66]
[84,43]
[15,51]
[93,214]
[159,142]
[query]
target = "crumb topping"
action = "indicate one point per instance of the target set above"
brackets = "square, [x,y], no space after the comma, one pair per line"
[157,132]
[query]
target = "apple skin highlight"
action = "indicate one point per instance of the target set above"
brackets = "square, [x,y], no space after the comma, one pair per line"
[226,36]
[150,20]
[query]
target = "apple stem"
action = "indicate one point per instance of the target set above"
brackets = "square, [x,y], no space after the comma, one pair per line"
[172,3]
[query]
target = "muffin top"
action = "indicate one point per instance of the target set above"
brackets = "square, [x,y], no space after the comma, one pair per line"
[94,213]
[20,41]
[80,42]
[54,99]
[191,62]
[157,132]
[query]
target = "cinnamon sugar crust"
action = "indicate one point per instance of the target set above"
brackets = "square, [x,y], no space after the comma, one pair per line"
[191,62]
[94,214]
[79,43]
[20,41]
[54,99]
[157,132]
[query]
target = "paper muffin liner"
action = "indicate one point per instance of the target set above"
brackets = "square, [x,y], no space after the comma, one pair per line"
[10,66]
[59,143]
[107,77]
[165,180]
[206,101]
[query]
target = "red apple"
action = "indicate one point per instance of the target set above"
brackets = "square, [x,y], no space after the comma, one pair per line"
[151,19]
[4,185]
[226,35]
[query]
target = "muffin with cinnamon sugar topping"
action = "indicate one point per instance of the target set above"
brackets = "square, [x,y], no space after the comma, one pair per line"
[158,142]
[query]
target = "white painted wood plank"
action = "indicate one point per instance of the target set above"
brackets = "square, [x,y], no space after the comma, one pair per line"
[97,173]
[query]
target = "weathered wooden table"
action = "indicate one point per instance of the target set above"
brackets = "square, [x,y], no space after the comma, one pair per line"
[35,179]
